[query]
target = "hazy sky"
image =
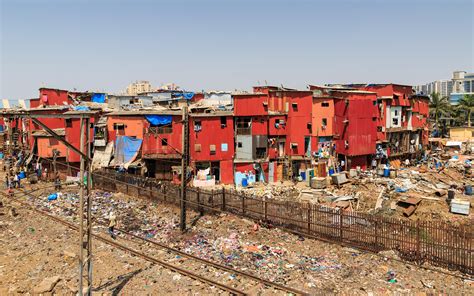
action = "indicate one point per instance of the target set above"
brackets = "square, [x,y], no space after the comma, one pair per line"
[226,45]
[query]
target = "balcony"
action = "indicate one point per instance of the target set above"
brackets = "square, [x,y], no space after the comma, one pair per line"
[160,130]
[243,131]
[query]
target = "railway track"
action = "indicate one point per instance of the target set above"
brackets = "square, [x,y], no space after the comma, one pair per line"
[194,263]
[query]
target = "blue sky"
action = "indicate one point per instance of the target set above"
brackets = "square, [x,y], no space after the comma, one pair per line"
[227,45]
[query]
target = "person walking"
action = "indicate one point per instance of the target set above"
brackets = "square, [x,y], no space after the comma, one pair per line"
[112,224]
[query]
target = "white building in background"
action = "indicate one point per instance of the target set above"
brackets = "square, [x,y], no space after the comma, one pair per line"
[138,87]
[461,83]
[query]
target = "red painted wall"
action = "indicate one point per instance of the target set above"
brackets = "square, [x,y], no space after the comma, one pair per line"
[34,103]
[46,145]
[227,171]
[260,125]
[53,97]
[298,119]
[211,133]
[250,105]
[52,123]
[318,113]
[281,130]
[134,126]
[152,143]
[73,136]
[361,130]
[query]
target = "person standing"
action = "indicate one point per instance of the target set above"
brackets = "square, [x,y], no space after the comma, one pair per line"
[374,164]
[112,224]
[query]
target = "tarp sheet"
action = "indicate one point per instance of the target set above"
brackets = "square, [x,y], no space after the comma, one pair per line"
[126,150]
[81,108]
[98,98]
[157,120]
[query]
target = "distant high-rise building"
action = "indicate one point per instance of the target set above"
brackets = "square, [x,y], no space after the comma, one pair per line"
[138,87]
[460,84]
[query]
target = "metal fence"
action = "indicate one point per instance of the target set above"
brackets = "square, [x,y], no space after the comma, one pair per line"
[436,242]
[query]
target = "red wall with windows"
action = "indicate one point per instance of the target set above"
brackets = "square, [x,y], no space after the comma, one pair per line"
[211,133]
[155,143]
[134,126]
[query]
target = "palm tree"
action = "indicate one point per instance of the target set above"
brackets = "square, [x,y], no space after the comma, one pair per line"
[466,105]
[439,106]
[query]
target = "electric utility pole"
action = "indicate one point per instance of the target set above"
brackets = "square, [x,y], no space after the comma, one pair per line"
[184,167]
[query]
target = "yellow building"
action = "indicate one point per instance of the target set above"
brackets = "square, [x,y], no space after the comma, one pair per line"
[462,133]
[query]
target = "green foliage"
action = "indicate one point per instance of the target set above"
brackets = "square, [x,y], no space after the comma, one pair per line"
[439,106]
[466,106]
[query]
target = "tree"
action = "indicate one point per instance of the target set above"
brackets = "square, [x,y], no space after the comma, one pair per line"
[439,106]
[466,105]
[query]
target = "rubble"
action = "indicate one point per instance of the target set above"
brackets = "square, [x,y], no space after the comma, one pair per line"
[46,285]
[272,253]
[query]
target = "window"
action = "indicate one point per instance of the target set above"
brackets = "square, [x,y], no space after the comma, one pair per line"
[261,152]
[197,126]
[294,106]
[53,142]
[119,126]
[164,142]
[68,122]
[308,125]
[324,104]
[243,126]
[239,144]
[324,122]
[223,121]
[166,129]
[379,129]
[374,118]
[212,149]
[374,102]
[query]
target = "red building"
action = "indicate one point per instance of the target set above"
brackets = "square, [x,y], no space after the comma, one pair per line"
[251,136]
[355,126]
[402,119]
[211,143]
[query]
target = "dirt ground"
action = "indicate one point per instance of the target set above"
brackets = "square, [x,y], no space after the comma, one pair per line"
[33,248]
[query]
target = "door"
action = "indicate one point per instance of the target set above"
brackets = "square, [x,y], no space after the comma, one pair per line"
[409,124]
[271,172]
[281,149]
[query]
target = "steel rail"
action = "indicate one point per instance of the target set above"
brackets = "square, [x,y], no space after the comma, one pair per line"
[135,252]
[193,257]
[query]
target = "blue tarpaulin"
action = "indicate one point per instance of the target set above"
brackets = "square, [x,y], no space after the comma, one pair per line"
[98,98]
[188,95]
[126,149]
[157,120]
[81,108]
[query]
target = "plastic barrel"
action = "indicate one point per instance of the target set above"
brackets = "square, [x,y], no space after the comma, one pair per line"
[22,175]
[468,190]
[386,172]
[331,172]
[245,182]
[303,175]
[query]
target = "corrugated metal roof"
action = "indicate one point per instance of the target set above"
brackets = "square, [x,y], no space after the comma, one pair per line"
[144,112]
